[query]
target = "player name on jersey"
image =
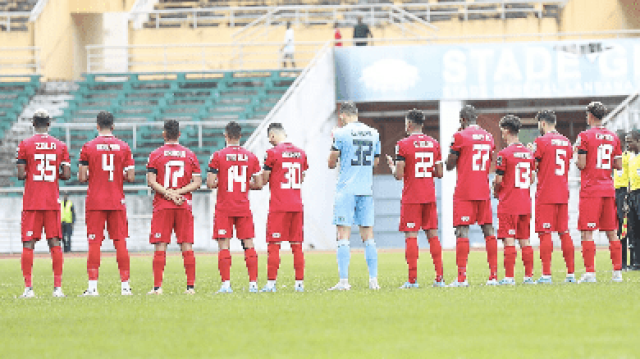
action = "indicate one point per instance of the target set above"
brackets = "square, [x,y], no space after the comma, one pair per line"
[108,147]
[45,146]
[175,153]
[237,157]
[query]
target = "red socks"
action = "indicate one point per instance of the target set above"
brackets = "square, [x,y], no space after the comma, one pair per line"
[251,259]
[122,256]
[189,267]
[159,261]
[568,252]
[546,250]
[298,260]
[616,254]
[589,256]
[527,260]
[26,262]
[224,264]
[510,255]
[462,255]
[58,261]
[411,254]
[436,255]
[273,261]
[492,256]
[93,260]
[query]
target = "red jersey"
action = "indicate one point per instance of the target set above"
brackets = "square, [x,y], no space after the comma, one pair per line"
[43,155]
[515,163]
[107,158]
[287,164]
[420,154]
[474,147]
[338,36]
[234,166]
[601,147]
[553,154]
[174,166]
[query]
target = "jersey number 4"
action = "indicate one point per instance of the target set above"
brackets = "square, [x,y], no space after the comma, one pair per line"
[46,167]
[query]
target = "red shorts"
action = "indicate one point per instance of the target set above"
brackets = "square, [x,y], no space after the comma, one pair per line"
[167,220]
[417,216]
[552,217]
[469,212]
[223,226]
[597,213]
[116,223]
[34,221]
[285,227]
[514,226]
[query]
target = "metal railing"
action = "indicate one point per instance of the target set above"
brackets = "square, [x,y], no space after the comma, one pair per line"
[14,21]
[195,57]
[626,116]
[373,14]
[19,60]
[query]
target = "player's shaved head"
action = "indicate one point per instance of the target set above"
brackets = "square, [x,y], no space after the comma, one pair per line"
[233,130]
[171,130]
[597,109]
[275,127]
[511,123]
[105,120]
[41,119]
[547,116]
[469,113]
[416,116]
[348,108]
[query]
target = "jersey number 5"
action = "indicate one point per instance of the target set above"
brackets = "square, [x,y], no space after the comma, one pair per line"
[46,166]
[480,157]
[561,158]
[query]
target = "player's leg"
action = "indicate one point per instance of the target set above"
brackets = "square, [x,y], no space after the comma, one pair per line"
[463,215]
[53,229]
[608,224]
[566,242]
[183,227]
[296,237]
[28,243]
[245,232]
[95,221]
[222,233]
[118,228]
[545,221]
[588,221]
[507,233]
[160,237]
[430,226]
[523,230]
[410,224]
[485,220]
[343,208]
[275,234]
[364,218]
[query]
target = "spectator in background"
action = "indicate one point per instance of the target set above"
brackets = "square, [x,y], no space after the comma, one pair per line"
[337,35]
[621,183]
[288,48]
[633,199]
[68,215]
[361,31]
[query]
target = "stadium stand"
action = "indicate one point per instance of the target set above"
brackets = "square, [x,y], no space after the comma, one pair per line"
[9,22]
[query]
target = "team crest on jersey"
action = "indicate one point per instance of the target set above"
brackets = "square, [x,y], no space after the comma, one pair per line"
[222,232]
[512,232]
[276,235]
[591,225]
[29,233]
[546,225]
[158,235]
[92,236]
[411,225]
[465,219]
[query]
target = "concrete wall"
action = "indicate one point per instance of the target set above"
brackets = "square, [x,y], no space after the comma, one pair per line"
[54,35]
[87,30]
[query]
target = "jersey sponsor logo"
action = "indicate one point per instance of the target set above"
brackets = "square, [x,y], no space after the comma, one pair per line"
[237,157]
[591,225]
[108,147]
[175,153]
[546,225]
[45,146]
[275,235]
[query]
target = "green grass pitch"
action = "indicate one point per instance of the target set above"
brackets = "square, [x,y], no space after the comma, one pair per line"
[556,321]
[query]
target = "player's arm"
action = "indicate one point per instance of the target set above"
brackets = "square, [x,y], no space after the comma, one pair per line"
[65,174]
[334,156]
[256,182]
[452,160]
[196,182]
[497,184]
[265,176]
[581,162]
[617,163]
[165,192]
[130,175]
[22,171]
[376,160]
[581,151]
[396,167]
[438,171]
[212,179]
[83,172]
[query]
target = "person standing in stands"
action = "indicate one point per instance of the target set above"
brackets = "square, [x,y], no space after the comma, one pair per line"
[361,31]
[337,35]
[68,219]
[288,48]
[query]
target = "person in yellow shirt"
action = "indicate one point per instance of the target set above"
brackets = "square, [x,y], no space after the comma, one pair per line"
[633,216]
[68,216]
[621,182]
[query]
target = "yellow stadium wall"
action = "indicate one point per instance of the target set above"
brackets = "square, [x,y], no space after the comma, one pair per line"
[593,15]
[87,30]
[98,7]
[53,33]
[17,38]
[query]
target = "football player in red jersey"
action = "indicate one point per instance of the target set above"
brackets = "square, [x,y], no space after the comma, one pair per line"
[471,153]
[553,153]
[284,168]
[599,154]
[40,159]
[173,172]
[514,176]
[110,163]
[232,170]
[418,161]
